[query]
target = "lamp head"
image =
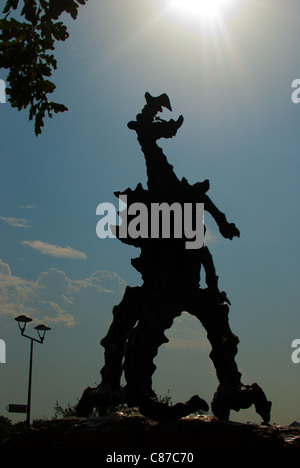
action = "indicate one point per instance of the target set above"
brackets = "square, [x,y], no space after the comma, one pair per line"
[22,321]
[41,329]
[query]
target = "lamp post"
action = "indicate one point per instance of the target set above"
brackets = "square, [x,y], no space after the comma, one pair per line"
[41,329]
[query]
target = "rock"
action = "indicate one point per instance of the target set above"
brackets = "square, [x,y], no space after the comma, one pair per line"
[134,433]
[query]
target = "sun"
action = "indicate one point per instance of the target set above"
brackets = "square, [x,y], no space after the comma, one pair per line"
[210,12]
[201,8]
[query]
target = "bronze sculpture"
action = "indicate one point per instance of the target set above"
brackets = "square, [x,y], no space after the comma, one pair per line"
[171,284]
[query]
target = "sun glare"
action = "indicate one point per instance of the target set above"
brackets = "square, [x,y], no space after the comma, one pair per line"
[204,11]
[204,8]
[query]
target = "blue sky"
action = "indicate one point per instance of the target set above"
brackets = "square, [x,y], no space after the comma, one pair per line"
[231,80]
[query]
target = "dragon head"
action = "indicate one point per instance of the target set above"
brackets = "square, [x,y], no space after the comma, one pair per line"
[149,125]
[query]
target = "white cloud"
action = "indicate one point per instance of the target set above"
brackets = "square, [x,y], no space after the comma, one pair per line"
[55,298]
[54,250]
[17,222]
[52,313]
[107,281]
[13,292]
[187,333]
[209,236]
[4,269]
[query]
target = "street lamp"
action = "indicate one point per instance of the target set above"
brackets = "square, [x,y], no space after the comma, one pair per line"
[41,330]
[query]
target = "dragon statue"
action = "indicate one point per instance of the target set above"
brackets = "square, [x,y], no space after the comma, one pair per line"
[171,285]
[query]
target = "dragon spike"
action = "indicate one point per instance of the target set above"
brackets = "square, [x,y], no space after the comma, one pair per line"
[159,101]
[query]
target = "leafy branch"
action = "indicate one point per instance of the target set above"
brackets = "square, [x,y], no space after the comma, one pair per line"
[25,50]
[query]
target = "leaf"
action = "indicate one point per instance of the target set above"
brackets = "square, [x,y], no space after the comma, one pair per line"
[29,10]
[73,10]
[10,4]
[59,31]
[24,51]
[58,107]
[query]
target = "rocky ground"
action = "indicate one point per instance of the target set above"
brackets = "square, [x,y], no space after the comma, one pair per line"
[134,433]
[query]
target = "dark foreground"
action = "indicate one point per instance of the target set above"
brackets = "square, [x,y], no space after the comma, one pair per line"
[132,433]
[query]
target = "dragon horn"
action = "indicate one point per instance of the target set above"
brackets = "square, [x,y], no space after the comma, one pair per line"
[162,100]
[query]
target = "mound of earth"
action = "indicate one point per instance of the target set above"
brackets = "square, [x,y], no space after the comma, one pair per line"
[132,433]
